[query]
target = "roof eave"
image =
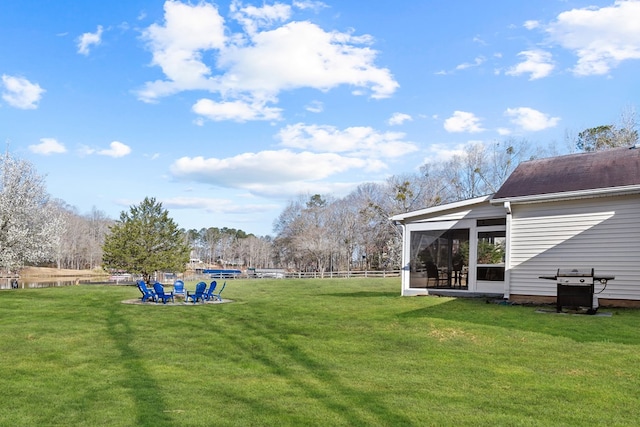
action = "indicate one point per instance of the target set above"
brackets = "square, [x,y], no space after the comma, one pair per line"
[440,208]
[569,195]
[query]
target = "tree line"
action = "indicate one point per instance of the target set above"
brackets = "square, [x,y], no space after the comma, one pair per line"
[314,232]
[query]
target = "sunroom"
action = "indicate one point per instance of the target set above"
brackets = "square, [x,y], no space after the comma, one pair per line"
[454,248]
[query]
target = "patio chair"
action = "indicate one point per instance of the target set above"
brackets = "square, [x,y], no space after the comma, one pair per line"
[208,295]
[433,273]
[198,294]
[217,296]
[161,294]
[178,288]
[147,294]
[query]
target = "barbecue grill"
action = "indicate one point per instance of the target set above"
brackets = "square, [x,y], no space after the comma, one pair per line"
[575,288]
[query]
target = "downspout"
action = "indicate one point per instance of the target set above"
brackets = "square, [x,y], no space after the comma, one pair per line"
[507,249]
[405,256]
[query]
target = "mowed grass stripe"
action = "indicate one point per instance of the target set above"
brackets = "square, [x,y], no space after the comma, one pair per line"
[340,352]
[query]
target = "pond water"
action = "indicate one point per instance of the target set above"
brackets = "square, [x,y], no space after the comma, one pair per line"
[9,283]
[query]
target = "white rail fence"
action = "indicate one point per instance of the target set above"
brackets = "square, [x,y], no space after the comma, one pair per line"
[342,274]
[282,274]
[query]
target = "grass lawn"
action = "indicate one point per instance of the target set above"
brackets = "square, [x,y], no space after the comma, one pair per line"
[343,352]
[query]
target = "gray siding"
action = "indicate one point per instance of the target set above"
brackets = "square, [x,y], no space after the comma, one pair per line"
[601,233]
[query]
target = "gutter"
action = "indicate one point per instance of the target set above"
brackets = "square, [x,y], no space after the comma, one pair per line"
[569,195]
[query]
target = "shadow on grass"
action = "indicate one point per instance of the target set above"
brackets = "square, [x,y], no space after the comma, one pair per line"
[362,294]
[620,328]
[138,381]
[319,383]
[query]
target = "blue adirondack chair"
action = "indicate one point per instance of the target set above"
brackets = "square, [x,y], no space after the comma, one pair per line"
[208,295]
[217,296]
[147,294]
[198,294]
[178,288]
[161,294]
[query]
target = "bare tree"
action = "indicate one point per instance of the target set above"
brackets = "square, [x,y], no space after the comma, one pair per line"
[98,227]
[82,237]
[482,168]
[256,252]
[287,227]
[305,234]
[345,230]
[460,173]
[211,238]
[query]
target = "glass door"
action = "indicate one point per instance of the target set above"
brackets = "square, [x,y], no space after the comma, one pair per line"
[439,258]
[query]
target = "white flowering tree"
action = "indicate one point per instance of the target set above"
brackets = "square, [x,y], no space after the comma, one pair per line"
[30,226]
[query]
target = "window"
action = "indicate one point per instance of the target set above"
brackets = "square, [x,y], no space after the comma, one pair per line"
[491,247]
[491,255]
[492,274]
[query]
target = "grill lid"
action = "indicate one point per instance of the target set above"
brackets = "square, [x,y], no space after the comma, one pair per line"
[575,272]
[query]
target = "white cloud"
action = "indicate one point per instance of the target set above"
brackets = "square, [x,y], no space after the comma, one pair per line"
[537,64]
[440,153]
[531,24]
[177,48]
[268,168]
[476,62]
[238,110]
[301,54]
[600,37]
[399,118]
[479,60]
[295,188]
[208,204]
[308,4]
[86,40]
[315,107]
[21,93]
[85,150]
[463,121]
[503,131]
[531,120]
[270,56]
[355,141]
[311,154]
[48,146]
[215,205]
[479,40]
[253,18]
[116,149]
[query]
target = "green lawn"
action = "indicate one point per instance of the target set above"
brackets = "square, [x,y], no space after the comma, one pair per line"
[344,352]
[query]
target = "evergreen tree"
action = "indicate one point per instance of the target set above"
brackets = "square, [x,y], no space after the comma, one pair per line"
[605,137]
[146,240]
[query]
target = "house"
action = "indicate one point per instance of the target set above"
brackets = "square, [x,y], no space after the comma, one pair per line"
[573,211]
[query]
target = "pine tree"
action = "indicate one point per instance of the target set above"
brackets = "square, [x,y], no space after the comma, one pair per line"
[145,240]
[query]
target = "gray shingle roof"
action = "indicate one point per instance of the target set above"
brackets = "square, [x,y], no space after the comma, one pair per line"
[617,167]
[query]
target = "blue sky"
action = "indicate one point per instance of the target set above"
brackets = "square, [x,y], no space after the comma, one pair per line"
[224,111]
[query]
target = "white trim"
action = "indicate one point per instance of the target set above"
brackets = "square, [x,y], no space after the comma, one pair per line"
[440,208]
[570,195]
[438,225]
[507,257]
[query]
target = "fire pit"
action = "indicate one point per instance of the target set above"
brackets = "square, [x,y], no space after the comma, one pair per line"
[575,288]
